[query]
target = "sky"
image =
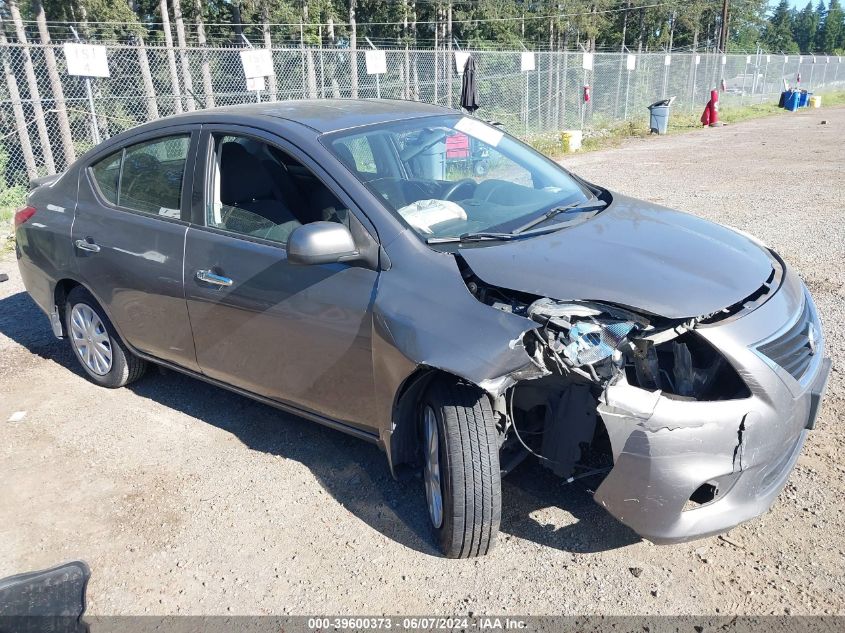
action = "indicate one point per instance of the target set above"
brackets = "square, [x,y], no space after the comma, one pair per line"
[795,3]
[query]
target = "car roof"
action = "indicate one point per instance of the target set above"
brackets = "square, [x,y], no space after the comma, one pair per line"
[321,115]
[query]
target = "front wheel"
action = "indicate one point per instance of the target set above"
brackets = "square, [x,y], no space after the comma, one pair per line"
[105,359]
[461,468]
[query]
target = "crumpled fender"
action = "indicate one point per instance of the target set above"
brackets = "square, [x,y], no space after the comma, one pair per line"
[449,330]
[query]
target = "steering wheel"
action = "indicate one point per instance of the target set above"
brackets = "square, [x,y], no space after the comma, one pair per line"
[457,185]
[393,189]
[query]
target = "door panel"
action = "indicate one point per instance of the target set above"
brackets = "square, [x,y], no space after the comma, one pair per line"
[298,334]
[133,263]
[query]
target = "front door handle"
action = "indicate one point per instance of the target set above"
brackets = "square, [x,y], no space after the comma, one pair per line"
[85,245]
[210,278]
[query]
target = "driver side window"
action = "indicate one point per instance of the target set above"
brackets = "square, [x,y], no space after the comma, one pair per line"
[145,177]
[258,190]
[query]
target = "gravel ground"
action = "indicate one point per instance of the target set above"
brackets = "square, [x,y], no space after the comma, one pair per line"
[185,498]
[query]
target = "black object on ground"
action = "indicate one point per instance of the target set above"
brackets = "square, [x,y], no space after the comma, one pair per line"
[52,599]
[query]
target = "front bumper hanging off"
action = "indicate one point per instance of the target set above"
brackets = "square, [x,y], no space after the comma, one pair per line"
[666,449]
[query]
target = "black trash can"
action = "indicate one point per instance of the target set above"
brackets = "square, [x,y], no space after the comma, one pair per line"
[659,115]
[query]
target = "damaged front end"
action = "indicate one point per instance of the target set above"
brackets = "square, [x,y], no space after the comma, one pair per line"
[657,407]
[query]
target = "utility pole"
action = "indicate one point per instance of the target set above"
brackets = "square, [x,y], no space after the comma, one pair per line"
[723,34]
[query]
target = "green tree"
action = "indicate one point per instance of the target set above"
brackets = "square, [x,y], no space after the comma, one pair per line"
[778,34]
[805,28]
[832,34]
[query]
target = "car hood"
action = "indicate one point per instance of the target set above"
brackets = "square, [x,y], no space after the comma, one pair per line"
[634,254]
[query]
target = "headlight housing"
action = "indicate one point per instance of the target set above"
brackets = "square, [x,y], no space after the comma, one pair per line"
[597,341]
[584,336]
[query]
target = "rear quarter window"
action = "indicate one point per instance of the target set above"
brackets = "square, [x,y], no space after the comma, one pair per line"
[107,175]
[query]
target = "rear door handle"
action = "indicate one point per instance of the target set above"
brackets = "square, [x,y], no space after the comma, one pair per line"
[210,278]
[85,245]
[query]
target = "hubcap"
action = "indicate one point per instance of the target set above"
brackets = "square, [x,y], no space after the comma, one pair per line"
[433,491]
[90,339]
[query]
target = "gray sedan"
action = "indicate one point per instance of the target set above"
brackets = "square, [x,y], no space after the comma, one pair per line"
[348,260]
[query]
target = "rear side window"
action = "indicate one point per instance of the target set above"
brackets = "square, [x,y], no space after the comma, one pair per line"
[146,177]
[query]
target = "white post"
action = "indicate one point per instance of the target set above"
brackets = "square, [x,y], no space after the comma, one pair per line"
[95,129]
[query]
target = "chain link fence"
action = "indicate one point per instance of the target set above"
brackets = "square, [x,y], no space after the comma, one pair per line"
[47,118]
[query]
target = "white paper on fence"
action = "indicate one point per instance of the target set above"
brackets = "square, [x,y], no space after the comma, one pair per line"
[256,83]
[86,60]
[632,62]
[376,62]
[527,61]
[786,59]
[697,60]
[257,62]
[724,59]
[667,60]
[480,130]
[827,60]
[800,59]
[461,61]
[424,214]
[768,58]
[587,61]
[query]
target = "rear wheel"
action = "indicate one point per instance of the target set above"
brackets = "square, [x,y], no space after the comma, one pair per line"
[461,468]
[105,359]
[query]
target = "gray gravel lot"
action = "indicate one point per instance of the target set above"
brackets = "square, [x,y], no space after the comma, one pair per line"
[184,498]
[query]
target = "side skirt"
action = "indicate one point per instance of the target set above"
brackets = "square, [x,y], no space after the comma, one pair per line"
[308,415]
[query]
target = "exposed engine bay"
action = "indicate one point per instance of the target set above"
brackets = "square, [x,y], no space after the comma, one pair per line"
[581,349]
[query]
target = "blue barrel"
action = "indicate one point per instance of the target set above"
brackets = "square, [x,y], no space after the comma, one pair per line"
[792,100]
[803,99]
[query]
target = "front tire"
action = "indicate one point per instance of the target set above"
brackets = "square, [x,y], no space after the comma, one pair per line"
[96,345]
[461,468]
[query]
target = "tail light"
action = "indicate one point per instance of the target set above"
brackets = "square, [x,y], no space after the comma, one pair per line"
[22,215]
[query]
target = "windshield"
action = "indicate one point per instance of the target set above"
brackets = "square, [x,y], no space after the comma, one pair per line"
[451,176]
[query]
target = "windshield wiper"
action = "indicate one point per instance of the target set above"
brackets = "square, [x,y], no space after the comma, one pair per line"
[584,205]
[470,237]
[592,204]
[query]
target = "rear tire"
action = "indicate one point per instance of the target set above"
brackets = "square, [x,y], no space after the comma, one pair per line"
[461,457]
[103,356]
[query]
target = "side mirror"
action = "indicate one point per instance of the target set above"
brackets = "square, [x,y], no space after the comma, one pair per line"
[321,243]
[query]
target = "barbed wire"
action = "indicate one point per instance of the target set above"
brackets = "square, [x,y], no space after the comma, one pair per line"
[622,7]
